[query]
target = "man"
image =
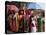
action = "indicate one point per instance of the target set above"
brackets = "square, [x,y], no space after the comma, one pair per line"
[11,21]
[21,20]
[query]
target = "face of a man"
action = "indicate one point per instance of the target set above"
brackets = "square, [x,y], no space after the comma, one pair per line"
[12,8]
[21,12]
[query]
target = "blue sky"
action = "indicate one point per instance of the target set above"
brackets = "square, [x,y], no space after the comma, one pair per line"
[36,6]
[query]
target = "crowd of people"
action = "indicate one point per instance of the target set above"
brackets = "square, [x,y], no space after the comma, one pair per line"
[24,20]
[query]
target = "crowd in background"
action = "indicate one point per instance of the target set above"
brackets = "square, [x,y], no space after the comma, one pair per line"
[25,20]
